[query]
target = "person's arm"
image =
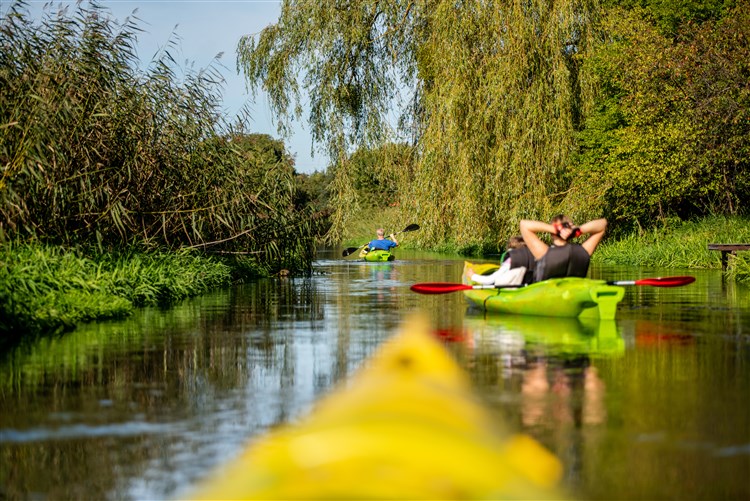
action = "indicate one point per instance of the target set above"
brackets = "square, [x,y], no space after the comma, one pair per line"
[529,230]
[595,229]
[393,237]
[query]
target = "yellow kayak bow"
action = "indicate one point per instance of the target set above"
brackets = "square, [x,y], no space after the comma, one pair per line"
[406,426]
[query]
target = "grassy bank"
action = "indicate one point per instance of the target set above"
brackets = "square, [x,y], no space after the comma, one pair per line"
[47,289]
[681,245]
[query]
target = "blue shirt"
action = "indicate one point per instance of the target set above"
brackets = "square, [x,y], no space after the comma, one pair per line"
[382,244]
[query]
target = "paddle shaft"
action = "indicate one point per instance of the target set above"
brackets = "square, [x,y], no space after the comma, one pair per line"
[446,287]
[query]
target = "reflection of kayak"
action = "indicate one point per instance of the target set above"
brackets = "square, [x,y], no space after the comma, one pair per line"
[555,336]
[406,426]
[376,255]
[557,297]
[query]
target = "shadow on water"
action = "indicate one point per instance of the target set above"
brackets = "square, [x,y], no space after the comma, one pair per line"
[651,405]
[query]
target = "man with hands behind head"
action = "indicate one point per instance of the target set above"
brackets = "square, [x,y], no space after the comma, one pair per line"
[562,258]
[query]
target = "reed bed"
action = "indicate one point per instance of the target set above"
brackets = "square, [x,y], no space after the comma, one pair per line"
[96,150]
[98,155]
[44,288]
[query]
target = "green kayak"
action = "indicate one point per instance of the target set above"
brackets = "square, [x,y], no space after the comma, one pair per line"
[557,297]
[377,255]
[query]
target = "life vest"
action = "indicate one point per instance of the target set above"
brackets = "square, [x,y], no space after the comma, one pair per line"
[522,256]
[570,260]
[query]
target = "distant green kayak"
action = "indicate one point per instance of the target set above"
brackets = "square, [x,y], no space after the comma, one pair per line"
[377,255]
[557,297]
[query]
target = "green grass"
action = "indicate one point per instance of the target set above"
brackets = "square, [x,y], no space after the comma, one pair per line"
[679,245]
[47,288]
[739,268]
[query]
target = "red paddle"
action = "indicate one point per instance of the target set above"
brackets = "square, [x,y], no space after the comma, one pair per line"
[446,287]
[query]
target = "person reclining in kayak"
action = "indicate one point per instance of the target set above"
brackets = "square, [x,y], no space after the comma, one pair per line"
[562,259]
[517,266]
[382,243]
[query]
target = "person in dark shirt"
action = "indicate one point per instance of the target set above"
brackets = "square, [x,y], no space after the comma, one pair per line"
[562,258]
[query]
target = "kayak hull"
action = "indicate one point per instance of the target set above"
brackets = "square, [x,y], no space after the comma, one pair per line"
[377,256]
[407,425]
[558,297]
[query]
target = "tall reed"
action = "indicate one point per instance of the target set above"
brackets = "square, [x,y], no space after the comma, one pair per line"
[96,150]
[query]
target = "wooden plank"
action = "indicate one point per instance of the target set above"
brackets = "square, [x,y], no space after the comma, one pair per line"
[728,249]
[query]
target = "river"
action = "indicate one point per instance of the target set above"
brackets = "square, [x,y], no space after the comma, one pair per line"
[653,405]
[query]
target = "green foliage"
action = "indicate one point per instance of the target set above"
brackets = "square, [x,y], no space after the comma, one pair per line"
[93,150]
[671,15]
[161,278]
[314,190]
[739,268]
[378,175]
[45,288]
[492,98]
[670,134]
[638,111]
[503,101]
[676,244]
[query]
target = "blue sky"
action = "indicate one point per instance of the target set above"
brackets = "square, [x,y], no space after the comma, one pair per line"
[206,28]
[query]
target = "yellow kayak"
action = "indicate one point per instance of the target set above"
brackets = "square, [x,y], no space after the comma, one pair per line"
[406,426]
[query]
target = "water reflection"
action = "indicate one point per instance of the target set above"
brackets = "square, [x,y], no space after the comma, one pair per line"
[552,358]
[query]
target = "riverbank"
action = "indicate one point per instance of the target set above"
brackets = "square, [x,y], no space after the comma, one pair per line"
[682,245]
[47,289]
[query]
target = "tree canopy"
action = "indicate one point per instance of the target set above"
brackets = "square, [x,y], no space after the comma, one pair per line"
[634,110]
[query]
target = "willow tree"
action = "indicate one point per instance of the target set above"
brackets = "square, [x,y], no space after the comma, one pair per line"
[488,90]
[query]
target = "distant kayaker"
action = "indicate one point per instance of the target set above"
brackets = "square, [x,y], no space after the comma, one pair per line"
[562,259]
[382,243]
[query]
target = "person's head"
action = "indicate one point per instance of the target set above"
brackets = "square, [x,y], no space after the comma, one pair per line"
[380,232]
[561,220]
[515,242]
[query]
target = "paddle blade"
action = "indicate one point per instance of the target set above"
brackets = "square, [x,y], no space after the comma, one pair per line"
[350,250]
[666,281]
[439,288]
[658,282]
[411,227]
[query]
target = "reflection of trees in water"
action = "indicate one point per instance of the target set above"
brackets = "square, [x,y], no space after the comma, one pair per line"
[103,382]
[212,333]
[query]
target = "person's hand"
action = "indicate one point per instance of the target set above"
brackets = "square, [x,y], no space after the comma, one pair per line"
[392,236]
[567,232]
[575,231]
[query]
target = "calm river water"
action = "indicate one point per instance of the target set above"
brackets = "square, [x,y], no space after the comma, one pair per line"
[653,405]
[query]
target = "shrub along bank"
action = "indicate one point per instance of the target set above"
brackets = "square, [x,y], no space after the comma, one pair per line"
[97,153]
[46,289]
